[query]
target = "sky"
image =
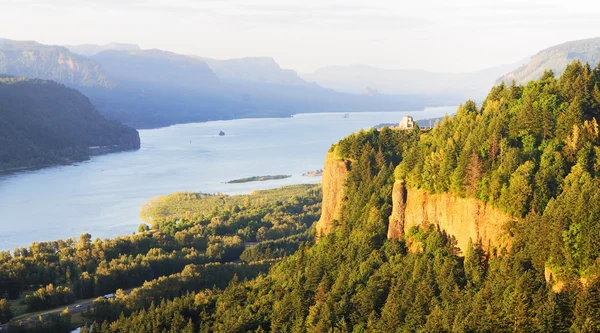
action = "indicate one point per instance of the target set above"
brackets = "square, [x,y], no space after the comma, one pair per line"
[434,35]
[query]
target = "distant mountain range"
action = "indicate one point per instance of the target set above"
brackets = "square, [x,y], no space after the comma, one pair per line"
[474,85]
[34,60]
[154,88]
[264,70]
[44,123]
[555,58]
[89,50]
[156,68]
[459,86]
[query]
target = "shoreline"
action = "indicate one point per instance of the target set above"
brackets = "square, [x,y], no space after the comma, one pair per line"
[424,109]
[91,153]
[258,179]
[122,212]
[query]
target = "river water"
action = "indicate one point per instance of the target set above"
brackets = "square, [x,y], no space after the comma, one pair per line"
[103,196]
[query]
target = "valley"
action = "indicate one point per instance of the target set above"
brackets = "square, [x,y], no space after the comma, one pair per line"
[103,196]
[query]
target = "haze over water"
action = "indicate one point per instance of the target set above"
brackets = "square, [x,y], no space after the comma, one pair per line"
[103,196]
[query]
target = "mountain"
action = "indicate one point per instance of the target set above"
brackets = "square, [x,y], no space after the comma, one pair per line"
[93,49]
[34,60]
[155,88]
[264,70]
[155,67]
[555,58]
[158,88]
[44,123]
[356,78]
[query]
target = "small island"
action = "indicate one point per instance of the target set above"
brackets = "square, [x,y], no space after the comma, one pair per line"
[315,173]
[257,179]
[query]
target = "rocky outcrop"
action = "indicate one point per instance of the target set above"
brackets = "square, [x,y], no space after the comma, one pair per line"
[34,60]
[397,219]
[463,218]
[334,177]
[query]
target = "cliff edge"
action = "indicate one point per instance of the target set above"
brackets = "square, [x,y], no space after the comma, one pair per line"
[334,177]
[463,218]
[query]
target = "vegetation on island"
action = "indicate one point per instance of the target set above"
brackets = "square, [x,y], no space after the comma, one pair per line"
[316,173]
[257,179]
[45,123]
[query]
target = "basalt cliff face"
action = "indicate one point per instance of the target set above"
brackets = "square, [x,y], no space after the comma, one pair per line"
[334,176]
[464,218]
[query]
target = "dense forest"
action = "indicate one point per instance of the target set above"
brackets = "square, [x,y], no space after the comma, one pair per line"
[529,150]
[199,239]
[45,123]
[532,151]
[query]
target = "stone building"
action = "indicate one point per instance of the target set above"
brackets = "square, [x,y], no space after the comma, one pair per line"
[407,123]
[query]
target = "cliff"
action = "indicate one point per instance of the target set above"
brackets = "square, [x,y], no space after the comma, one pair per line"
[334,176]
[463,218]
[49,62]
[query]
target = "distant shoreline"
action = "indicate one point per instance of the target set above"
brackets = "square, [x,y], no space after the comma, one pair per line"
[315,173]
[341,113]
[24,168]
[258,179]
[92,152]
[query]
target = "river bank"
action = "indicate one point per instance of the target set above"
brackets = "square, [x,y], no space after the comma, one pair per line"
[103,196]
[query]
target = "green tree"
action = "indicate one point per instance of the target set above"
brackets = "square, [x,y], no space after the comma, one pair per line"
[6,313]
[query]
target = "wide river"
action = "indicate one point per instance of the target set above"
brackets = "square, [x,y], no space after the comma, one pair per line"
[103,196]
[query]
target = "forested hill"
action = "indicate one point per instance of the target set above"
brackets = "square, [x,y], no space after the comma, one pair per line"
[555,58]
[44,123]
[532,151]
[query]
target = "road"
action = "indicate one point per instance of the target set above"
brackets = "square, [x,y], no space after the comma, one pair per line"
[74,309]
[79,306]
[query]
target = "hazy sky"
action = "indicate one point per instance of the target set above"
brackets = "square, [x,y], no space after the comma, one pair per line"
[436,35]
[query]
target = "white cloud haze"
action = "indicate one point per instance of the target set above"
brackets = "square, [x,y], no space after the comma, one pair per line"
[435,35]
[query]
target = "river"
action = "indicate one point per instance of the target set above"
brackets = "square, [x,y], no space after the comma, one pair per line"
[103,196]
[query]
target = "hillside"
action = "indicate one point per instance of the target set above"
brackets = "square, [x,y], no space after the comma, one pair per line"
[191,244]
[264,70]
[33,60]
[555,58]
[489,222]
[393,253]
[44,123]
[141,68]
